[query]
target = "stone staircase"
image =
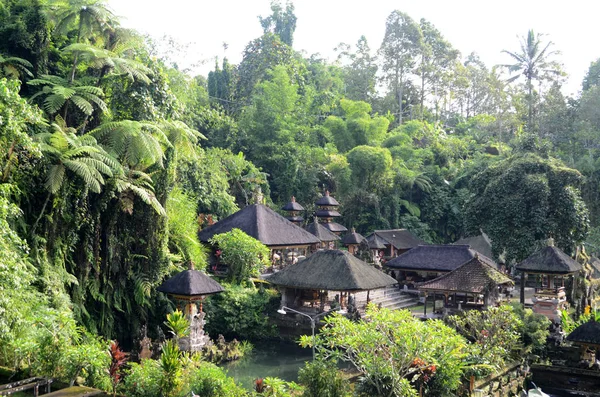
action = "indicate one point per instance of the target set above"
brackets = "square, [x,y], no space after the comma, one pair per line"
[390,298]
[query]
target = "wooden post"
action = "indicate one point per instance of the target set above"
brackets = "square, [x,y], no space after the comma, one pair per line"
[425,305]
[523,281]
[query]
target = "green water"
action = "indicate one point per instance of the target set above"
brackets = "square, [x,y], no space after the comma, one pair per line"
[269,359]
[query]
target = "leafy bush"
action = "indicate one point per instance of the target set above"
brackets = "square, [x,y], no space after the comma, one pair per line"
[244,255]
[208,380]
[535,327]
[241,313]
[148,379]
[322,379]
[143,379]
[395,353]
[495,334]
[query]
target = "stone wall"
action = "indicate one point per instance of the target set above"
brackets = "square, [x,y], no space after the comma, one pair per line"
[506,382]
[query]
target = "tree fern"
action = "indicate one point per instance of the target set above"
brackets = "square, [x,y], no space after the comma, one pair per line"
[58,92]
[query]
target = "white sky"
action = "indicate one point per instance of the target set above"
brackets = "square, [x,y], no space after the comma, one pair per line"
[482,26]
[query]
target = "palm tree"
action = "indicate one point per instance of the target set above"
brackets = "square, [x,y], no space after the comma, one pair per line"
[60,92]
[14,67]
[70,154]
[87,17]
[532,61]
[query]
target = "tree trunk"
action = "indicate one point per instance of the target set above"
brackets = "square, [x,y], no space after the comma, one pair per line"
[41,214]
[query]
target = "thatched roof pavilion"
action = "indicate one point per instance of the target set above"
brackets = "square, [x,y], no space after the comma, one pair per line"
[375,242]
[189,284]
[549,260]
[587,333]
[332,270]
[396,241]
[265,225]
[434,258]
[352,240]
[327,211]
[481,244]
[327,238]
[588,337]
[478,276]
[328,270]
[549,266]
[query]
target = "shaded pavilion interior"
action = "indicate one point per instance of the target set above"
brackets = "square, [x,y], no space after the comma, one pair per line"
[305,286]
[476,284]
[587,337]
[287,241]
[549,267]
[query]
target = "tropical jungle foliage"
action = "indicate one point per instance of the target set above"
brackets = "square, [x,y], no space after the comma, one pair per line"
[111,159]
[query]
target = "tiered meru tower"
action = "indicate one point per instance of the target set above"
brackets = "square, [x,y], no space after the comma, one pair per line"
[327,211]
[294,209]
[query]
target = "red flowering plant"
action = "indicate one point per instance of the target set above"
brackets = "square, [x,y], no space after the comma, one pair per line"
[118,359]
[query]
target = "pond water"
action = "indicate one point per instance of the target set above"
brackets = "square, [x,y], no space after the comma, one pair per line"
[269,359]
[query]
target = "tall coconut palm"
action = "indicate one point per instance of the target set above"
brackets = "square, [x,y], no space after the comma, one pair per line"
[532,61]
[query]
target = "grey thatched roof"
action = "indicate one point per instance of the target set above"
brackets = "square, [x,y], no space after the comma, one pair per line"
[481,244]
[190,283]
[295,219]
[588,333]
[292,206]
[549,260]
[399,238]
[353,238]
[322,233]
[332,270]
[263,224]
[435,258]
[327,200]
[477,275]
[334,227]
[327,213]
[375,242]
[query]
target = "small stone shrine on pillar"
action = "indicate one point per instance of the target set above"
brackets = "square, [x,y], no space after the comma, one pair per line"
[189,288]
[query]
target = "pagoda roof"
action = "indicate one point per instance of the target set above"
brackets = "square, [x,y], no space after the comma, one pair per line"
[353,238]
[327,200]
[376,242]
[481,244]
[549,260]
[321,232]
[262,223]
[292,206]
[327,213]
[334,227]
[587,333]
[477,275]
[399,238]
[332,270]
[435,258]
[190,283]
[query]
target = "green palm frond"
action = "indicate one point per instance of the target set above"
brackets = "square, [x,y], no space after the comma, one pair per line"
[14,67]
[55,178]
